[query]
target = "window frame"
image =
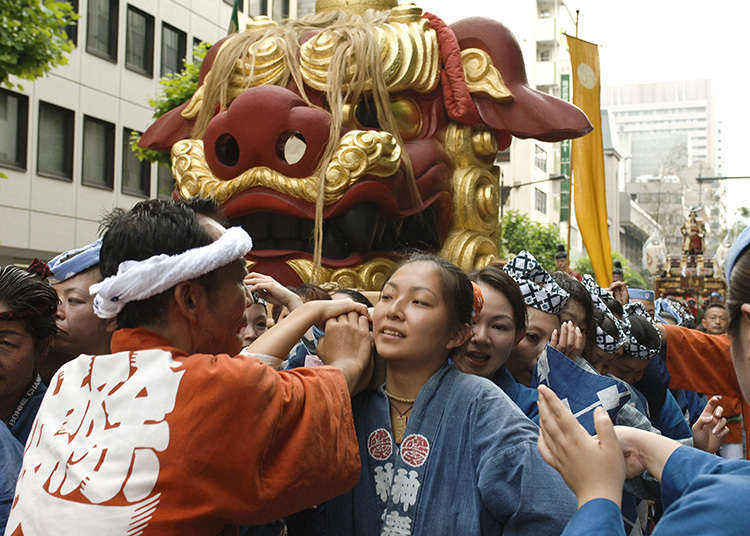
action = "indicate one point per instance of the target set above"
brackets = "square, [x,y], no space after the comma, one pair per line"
[71,30]
[182,49]
[22,132]
[148,70]
[540,195]
[70,127]
[145,168]
[109,156]
[114,15]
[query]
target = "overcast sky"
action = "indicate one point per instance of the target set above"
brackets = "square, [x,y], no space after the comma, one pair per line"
[654,40]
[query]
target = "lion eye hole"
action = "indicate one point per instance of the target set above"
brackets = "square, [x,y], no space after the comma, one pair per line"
[227,150]
[291,147]
[366,113]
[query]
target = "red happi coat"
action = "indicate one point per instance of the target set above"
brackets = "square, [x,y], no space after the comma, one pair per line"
[702,362]
[151,441]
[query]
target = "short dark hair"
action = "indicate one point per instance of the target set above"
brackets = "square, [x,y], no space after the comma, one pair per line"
[154,227]
[578,293]
[613,305]
[499,280]
[457,287]
[309,292]
[32,300]
[739,290]
[606,323]
[714,306]
[354,295]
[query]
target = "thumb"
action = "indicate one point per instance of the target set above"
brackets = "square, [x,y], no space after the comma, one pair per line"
[604,427]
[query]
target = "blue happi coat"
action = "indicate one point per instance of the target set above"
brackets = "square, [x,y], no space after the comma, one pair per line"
[702,493]
[468,463]
[524,397]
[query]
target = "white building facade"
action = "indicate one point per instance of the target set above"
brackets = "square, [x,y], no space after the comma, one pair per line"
[64,138]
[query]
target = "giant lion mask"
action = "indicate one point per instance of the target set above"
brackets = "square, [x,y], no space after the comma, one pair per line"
[340,140]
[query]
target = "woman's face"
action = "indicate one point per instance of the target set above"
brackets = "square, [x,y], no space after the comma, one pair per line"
[574,312]
[601,360]
[628,369]
[412,323]
[493,336]
[523,358]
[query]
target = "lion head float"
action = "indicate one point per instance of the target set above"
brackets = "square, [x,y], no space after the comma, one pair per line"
[342,139]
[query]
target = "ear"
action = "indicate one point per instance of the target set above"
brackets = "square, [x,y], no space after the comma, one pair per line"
[519,336]
[189,300]
[461,336]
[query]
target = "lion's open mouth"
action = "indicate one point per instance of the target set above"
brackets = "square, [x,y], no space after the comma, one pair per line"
[359,231]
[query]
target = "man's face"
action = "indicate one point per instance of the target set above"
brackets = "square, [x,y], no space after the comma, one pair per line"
[628,369]
[648,305]
[562,263]
[716,321]
[79,330]
[16,357]
[222,317]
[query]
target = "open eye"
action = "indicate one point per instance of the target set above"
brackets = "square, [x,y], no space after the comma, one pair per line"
[408,117]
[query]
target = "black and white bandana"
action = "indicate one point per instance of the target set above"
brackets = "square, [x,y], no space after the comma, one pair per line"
[603,340]
[633,348]
[539,290]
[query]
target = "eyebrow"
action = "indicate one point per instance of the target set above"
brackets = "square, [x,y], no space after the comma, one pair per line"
[11,332]
[413,289]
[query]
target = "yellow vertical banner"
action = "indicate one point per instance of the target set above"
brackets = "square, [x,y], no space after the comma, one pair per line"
[587,161]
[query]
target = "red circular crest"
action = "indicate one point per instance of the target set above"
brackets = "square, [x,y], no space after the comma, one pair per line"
[380,445]
[414,449]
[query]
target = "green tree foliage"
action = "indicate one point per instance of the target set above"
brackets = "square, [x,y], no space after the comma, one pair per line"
[520,232]
[633,277]
[177,88]
[33,38]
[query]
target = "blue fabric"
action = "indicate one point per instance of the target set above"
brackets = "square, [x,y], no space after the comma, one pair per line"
[302,349]
[11,456]
[702,494]
[22,428]
[579,389]
[671,421]
[641,294]
[691,404]
[468,464]
[654,383]
[739,245]
[82,259]
[524,397]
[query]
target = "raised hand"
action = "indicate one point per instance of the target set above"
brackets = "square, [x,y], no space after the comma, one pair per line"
[711,428]
[592,467]
[271,290]
[347,345]
[619,290]
[569,340]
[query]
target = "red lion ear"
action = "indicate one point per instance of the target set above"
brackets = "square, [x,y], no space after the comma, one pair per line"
[531,113]
[172,127]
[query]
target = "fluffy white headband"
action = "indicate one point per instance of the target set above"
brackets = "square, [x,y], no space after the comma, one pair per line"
[138,280]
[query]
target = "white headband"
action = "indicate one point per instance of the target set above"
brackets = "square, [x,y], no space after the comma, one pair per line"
[138,280]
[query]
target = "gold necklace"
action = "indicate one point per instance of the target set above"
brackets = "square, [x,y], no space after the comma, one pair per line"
[398,399]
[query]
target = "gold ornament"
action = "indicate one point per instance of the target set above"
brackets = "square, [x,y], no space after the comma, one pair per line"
[476,196]
[481,75]
[359,153]
[470,146]
[469,250]
[369,275]
[353,6]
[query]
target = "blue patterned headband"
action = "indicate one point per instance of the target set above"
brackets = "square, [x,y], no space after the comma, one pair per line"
[539,290]
[75,261]
[605,341]
[633,348]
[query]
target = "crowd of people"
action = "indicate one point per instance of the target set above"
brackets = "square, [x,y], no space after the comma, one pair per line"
[151,385]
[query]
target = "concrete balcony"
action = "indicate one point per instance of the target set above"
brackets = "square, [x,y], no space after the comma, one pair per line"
[545,74]
[545,29]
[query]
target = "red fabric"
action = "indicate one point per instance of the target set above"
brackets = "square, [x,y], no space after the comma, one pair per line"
[702,362]
[245,444]
[458,101]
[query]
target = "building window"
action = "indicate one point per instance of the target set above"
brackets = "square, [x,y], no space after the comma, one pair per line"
[72,29]
[164,182]
[503,156]
[54,157]
[101,29]
[136,175]
[256,8]
[540,200]
[543,55]
[540,158]
[139,46]
[173,49]
[14,127]
[98,153]
[280,9]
